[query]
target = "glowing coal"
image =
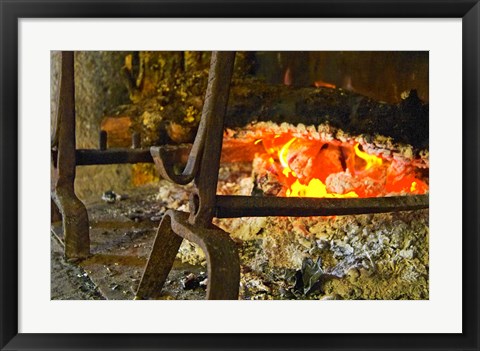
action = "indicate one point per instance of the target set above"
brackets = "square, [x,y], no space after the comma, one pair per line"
[304,162]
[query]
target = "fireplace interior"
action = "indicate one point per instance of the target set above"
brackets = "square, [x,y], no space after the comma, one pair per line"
[250,175]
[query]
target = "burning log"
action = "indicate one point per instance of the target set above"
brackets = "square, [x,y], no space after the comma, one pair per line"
[406,122]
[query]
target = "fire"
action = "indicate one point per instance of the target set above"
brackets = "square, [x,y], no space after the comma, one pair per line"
[312,168]
[282,157]
[371,160]
[322,84]
[315,188]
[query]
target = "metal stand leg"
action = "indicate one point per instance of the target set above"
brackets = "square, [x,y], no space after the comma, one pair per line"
[73,211]
[222,257]
[165,248]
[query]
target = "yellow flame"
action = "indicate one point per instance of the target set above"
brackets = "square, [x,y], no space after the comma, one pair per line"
[282,157]
[315,188]
[413,187]
[371,160]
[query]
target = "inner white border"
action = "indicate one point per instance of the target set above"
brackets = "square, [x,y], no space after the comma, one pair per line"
[441,314]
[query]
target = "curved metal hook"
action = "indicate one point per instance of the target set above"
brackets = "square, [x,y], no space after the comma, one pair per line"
[216,98]
[165,157]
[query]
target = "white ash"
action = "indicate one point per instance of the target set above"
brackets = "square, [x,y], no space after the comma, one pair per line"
[191,253]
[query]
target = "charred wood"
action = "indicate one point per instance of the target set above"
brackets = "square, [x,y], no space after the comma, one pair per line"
[252,100]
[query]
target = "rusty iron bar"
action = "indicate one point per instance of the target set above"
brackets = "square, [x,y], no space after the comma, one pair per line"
[87,157]
[176,154]
[73,212]
[202,201]
[248,206]
[223,263]
[102,140]
[136,140]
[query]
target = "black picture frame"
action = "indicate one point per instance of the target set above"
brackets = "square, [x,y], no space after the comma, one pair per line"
[12,11]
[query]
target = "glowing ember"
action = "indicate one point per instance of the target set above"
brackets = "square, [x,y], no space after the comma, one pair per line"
[322,84]
[314,168]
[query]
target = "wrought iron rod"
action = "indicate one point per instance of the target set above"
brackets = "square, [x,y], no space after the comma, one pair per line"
[86,157]
[247,206]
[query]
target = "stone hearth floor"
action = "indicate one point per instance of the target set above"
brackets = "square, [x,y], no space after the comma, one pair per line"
[121,235]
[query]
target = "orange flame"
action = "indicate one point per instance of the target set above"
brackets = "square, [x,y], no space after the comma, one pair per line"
[322,84]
